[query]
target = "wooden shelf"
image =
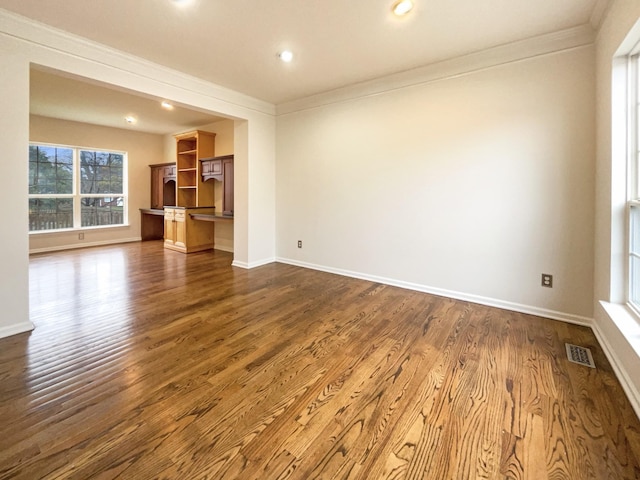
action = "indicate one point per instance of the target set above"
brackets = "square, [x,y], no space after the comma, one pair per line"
[187,177]
[190,148]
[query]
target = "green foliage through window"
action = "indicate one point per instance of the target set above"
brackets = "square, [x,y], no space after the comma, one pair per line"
[50,170]
[98,197]
[100,172]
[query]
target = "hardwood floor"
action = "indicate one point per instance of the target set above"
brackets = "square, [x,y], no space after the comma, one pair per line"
[147,363]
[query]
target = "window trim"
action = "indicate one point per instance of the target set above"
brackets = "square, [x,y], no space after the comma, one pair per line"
[633,168]
[77,196]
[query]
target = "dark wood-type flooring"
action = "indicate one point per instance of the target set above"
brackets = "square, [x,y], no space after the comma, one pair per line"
[147,363]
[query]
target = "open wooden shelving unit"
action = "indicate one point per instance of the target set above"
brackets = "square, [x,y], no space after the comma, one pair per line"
[191,147]
[181,232]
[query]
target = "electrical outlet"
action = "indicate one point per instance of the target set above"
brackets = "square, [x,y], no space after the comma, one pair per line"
[81,236]
[547,280]
[299,243]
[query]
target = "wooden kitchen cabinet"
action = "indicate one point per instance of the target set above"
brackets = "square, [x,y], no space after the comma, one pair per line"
[170,172]
[169,227]
[220,169]
[163,185]
[180,230]
[183,234]
[163,192]
[211,169]
[227,186]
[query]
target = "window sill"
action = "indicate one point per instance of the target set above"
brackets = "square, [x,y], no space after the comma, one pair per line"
[74,231]
[627,321]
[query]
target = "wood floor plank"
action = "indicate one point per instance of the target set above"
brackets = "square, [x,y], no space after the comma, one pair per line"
[151,364]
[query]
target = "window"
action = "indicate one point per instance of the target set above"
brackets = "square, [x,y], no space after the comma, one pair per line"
[71,187]
[633,91]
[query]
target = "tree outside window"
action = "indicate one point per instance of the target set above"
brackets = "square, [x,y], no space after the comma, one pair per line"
[73,188]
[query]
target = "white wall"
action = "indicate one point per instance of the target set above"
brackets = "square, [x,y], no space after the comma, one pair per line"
[23,43]
[143,150]
[471,186]
[14,137]
[261,188]
[610,198]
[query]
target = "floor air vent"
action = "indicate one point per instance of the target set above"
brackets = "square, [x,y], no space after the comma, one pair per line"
[579,355]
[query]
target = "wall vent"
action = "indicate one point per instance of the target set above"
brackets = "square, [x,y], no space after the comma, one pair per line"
[581,355]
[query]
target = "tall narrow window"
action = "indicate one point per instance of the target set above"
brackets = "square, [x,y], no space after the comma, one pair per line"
[634,182]
[50,187]
[73,187]
[101,186]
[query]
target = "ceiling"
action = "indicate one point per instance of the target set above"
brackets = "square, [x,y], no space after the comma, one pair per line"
[335,43]
[57,95]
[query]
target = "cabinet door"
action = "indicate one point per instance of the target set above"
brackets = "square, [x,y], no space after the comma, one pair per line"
[227,199]
[180,229]
[157,182]
[169,226]
[211,168]
[170,172]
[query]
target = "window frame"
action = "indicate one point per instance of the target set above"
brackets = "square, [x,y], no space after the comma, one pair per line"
[633,175]
[77,194]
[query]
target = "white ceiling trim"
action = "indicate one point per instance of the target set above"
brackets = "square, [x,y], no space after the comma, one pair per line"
[34,32]
[512,52]
[599,12]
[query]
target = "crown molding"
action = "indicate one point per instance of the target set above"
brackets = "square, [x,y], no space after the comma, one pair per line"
[36,33]
[51,38]
[492,57]
[598,13]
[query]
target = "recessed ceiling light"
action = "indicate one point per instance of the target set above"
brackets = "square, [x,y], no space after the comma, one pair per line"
[286,56]
[130,119]
[402,7]
[182,3]
[166,105]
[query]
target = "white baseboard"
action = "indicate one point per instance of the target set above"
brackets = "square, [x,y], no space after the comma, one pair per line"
[490,302]
[621,373]
[21,327]
[222,248]
[618,313]
[250,265]
[73,246]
